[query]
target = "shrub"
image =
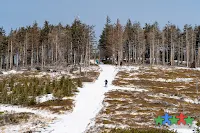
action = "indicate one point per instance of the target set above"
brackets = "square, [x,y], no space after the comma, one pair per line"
[26,89]
[132,130]
[107,62]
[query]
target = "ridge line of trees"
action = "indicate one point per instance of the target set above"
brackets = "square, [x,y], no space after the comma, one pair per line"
[134,44]
[50,45]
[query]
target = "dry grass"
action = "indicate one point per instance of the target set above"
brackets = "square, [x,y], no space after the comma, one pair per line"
[56,106]
[139,109]
[14,118]
[148,79]
[89,76]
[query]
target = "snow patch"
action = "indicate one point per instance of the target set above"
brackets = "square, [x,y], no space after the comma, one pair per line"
[44,98]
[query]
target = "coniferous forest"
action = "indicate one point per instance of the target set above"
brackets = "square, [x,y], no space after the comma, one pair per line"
[59,45]
[151,44]
[50,45]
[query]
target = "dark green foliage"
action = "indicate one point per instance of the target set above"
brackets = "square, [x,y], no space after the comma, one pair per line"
[107,62]
[19,90]
[79,82]
[152,130]
[104,42]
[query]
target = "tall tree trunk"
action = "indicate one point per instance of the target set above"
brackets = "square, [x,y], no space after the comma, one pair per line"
[42,56]
[153,47]
[163,48]
[32,50]
[182,51]
[192,48]
[172,51]
[7,64]
[17,59]
[56,50]
[26,50]
[37,54]
[187,48]
[179,50]
[198,58]
[150,53]
[11,55]
[158,53]
[144,51]
[52,54]
[1,61]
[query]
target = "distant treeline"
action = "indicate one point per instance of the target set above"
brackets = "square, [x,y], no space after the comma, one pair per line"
[51,45]
[150,44]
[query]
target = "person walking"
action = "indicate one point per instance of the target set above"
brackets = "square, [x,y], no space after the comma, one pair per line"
[106,82]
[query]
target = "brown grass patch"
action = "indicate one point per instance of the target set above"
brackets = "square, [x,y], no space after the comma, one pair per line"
[89,76]
[56,106]
[138,108]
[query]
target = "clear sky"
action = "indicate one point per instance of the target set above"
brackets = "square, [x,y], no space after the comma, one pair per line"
[16,13]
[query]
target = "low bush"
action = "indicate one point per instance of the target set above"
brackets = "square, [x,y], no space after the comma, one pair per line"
[19,90]
[150,130]
[107,62]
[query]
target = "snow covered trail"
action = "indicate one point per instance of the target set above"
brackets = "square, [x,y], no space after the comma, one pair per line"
[88,104]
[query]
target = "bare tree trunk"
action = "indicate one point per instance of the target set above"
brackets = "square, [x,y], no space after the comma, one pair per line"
[56,50]
[187,48]
[172,50]
[178,59]
[129,52]
[11,55]
[158,53]
[167,55]
[198,58]
[1,60]
[86,54]
[32,50]
[89,54]
[144,50]
[71,57]
[153,51]
[45,56]
[182,51]
[37,55]
[26,50]
[42,56]
[24,55]
[153,47]
[192,48]
[7,64]
[52,54]
[74,57]
[17,60]
[163,48]
[150,53]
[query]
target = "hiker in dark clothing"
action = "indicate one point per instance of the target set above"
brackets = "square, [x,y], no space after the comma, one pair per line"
[106,82]
[121,63]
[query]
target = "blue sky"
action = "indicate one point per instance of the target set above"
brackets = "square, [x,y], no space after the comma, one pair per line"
[16,13]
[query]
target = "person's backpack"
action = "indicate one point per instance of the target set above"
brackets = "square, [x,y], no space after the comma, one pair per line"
[106,81]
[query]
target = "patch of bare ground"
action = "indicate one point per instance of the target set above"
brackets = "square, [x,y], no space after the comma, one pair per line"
[56,106]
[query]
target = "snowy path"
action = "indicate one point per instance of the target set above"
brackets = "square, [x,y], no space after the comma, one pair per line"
[88,104]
